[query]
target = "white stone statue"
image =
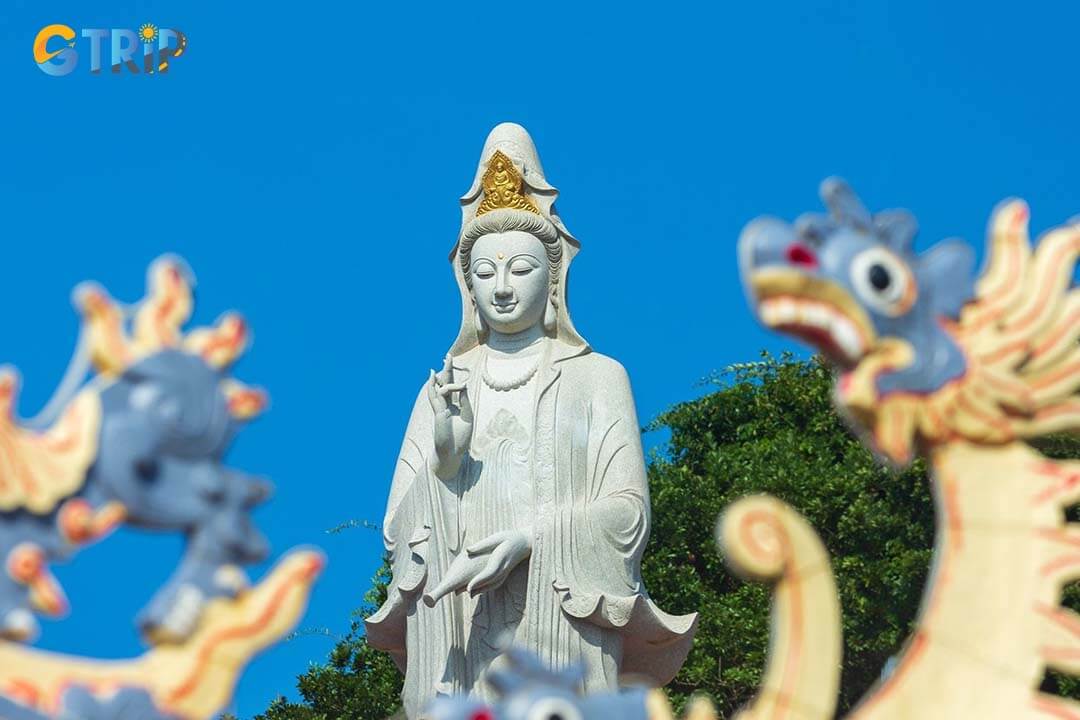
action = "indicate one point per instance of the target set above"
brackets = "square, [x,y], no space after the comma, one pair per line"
[519,508]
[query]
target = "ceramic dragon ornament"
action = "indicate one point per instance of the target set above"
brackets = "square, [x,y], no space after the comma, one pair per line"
[963,373]
[141,442]
[527,689]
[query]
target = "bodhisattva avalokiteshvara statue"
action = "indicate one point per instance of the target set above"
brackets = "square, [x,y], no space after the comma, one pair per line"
[519,508]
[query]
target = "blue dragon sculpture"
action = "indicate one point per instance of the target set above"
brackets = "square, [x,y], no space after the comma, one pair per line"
[961,371]
[142,442]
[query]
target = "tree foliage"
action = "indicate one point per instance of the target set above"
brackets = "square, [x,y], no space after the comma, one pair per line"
[768,427]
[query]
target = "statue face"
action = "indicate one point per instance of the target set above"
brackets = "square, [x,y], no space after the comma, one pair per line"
[510,280]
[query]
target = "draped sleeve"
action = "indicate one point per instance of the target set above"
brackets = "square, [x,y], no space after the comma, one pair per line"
[600,519]
[406,532]
[421,530]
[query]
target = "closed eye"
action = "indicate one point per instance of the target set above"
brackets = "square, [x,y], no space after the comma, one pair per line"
[484,270]
[523,265]
[521,268]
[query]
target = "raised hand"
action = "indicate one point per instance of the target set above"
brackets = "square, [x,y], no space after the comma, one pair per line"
[505,550]
[453,422]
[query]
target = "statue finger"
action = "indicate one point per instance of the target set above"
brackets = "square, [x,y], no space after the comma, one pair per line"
[438,402]
[465,405]
[446,375]
[488,578]
[487,544]
[445,390]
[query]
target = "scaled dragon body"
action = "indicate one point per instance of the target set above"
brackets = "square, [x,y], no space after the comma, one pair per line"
[141,443]
[962,373]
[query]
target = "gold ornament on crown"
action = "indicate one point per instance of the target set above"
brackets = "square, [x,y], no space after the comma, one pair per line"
[502,187]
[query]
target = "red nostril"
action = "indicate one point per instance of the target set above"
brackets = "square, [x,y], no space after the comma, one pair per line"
[799,254]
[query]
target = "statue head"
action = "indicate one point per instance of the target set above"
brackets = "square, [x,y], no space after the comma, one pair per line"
[513,254]
[511,261]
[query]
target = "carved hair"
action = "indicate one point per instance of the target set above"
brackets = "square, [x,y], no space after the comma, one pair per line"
[508,220]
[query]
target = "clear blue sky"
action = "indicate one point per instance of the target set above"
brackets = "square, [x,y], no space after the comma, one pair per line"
[305,158]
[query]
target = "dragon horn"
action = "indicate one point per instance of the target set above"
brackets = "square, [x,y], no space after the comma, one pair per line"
[844,205]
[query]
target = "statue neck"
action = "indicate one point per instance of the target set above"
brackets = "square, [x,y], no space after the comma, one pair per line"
[524,342]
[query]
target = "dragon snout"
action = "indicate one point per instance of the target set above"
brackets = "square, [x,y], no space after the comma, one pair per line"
[768,242]
[765,242]
[787,288]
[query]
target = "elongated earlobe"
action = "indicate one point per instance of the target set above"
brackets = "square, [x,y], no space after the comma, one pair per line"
[551,317]
[478,323]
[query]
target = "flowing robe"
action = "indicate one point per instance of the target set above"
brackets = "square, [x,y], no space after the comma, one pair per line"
[590,523]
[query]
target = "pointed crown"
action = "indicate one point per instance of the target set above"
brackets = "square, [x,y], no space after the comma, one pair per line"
[502,187]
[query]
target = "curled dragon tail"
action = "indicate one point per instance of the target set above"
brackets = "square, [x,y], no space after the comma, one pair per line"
[766,540]
[193,680]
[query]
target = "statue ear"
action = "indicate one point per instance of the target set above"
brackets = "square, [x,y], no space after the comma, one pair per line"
[551,316]
[478,323]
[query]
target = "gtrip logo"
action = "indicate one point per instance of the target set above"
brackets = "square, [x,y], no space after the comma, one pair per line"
[150,47]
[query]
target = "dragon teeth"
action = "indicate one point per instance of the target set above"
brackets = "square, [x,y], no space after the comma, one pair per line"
[787,310]
[847,338]
[782,311]
[779,311]
[816,315]
[767,311]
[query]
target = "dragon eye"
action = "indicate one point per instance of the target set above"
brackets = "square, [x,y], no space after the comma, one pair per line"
[879,277]
[883,281]
[554,708]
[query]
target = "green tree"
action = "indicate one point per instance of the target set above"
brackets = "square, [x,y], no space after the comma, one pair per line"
[768,427]
[771,427]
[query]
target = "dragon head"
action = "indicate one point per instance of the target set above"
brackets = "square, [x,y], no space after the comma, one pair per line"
[142,442]
[849,283]
[137,433]
[169,412]
[925,353]
[527,689]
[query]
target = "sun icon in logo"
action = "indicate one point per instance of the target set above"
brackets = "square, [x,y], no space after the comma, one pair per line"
[148,32]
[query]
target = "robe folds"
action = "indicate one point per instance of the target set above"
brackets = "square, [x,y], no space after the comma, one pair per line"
[590,525]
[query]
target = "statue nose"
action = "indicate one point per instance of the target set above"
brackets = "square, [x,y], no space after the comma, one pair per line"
[504,292]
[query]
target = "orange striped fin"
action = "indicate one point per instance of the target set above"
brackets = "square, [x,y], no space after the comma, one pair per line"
[166,308]
[222,344]
[39,469]
[244,402]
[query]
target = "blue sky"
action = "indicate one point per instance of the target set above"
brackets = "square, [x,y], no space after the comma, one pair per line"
[305,158]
